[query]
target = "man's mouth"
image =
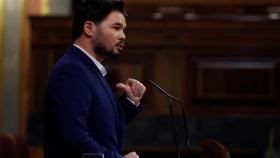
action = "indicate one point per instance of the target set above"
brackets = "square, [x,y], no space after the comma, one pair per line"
[120,46]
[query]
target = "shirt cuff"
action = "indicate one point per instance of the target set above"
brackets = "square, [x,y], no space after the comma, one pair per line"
[133,102]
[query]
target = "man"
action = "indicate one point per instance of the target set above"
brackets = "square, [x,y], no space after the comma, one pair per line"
[82,115]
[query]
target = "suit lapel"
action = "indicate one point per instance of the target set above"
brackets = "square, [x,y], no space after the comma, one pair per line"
[114,104]
[111,96]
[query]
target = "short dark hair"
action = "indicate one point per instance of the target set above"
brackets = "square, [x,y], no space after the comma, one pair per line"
[95,11]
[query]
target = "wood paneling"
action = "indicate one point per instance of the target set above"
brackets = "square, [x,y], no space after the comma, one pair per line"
[50,38]
[235,80]
[197,2]
[203,2]
[209,60]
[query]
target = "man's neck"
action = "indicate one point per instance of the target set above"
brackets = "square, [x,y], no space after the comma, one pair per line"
[94,60]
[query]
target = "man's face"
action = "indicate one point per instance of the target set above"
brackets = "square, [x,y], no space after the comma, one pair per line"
[110,37]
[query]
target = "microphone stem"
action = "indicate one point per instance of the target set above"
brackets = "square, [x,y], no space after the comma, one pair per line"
[170,97]
[187,135]
[174,127]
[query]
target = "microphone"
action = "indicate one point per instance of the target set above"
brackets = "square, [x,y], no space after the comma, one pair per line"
[204,146]
[187,136]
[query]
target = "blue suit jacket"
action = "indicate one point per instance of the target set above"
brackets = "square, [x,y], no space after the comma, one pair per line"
[82,115]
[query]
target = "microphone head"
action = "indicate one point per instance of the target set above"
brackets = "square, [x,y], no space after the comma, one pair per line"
[153,83]
[157,87]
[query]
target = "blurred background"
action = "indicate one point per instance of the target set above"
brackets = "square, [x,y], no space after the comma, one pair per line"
[219,57]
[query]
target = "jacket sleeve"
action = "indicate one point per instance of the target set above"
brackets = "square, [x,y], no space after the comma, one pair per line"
[69,100]
[130,110]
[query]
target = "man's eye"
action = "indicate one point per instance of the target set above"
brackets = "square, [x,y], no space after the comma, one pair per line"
[116,28]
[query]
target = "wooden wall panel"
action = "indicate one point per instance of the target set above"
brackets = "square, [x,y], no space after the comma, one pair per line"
[203,34]
[235,80]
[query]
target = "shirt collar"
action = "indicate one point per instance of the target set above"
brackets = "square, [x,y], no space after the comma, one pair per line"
[96,62]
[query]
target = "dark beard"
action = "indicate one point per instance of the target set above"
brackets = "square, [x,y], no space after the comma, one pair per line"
[101,50]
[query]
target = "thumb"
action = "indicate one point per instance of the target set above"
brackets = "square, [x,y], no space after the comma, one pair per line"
[122,87]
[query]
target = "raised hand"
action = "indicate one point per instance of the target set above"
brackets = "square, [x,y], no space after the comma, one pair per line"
[133,89]
[131,155]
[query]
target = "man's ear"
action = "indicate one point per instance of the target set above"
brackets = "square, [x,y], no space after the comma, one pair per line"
[89,28]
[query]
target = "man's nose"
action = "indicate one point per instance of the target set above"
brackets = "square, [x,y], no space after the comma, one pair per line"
[122,35]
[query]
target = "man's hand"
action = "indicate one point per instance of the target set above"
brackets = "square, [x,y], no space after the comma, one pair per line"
[131,155]
[133,89]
